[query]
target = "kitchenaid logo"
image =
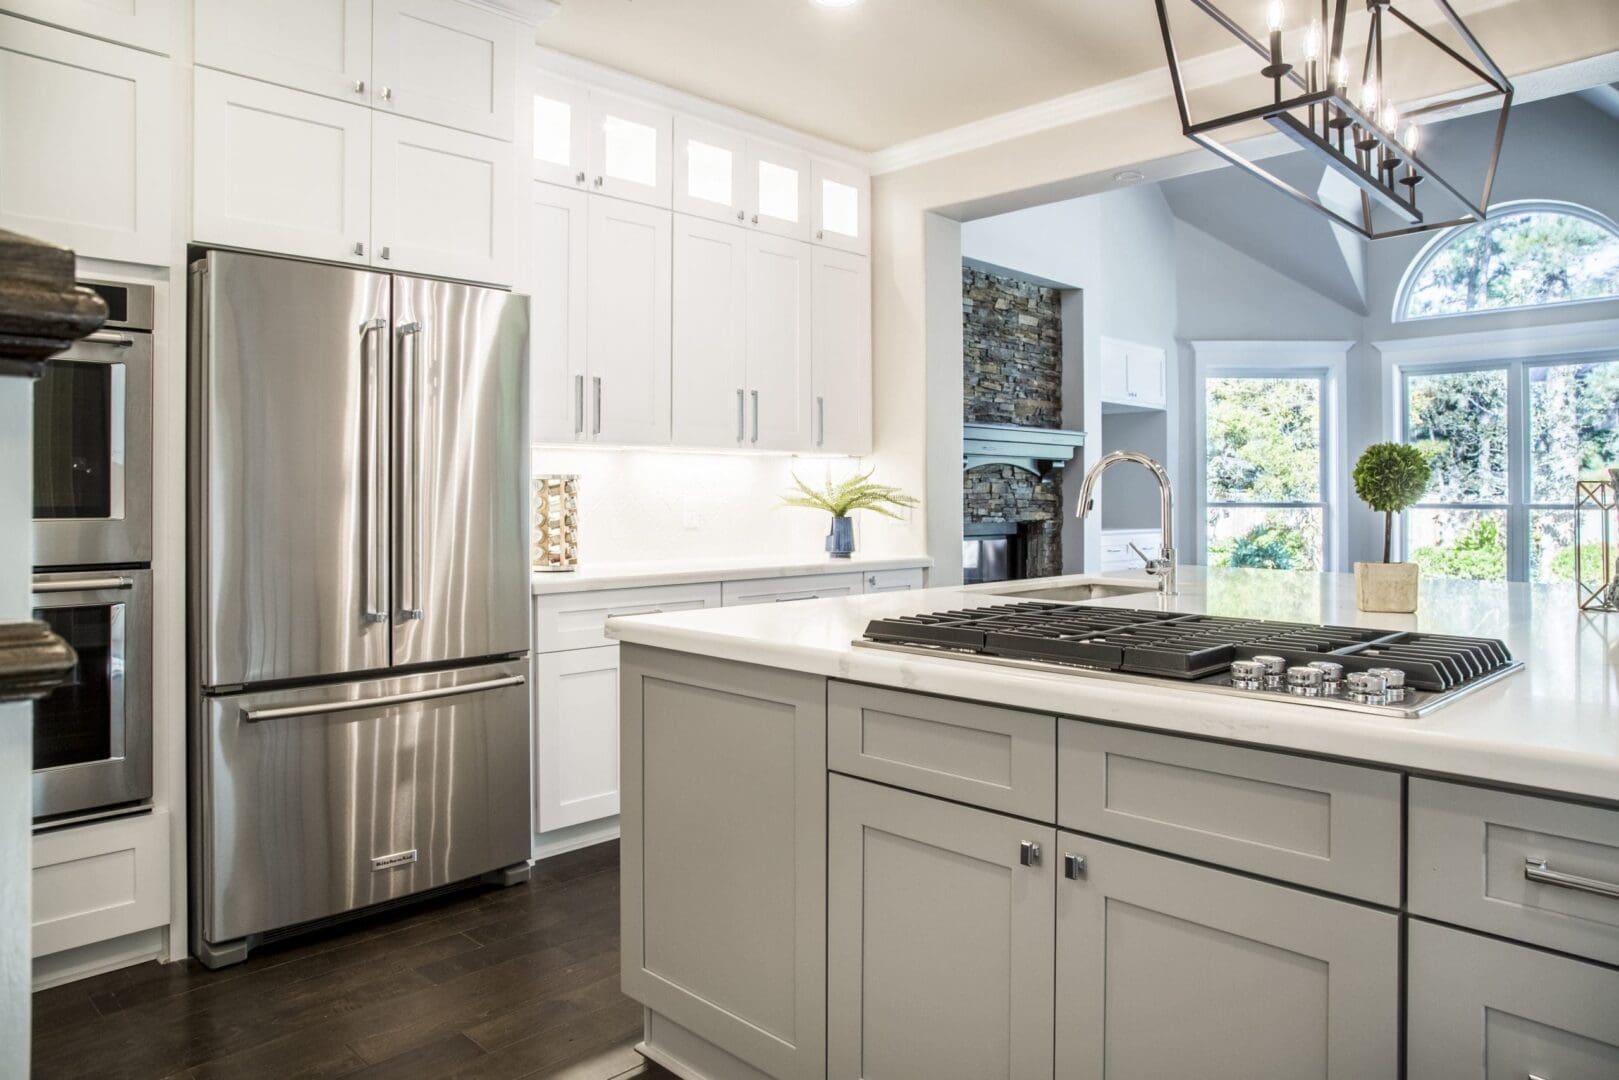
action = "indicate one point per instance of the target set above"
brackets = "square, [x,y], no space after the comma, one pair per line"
[398,858]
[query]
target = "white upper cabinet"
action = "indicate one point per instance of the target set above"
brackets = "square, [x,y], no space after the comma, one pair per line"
[322,46]
[840,199]
[1133,375]
[84,143]
[841,351]
[630,154]
[279,170]
[559,223]
[443,201]
[777,191]
[627,328]
[445,62]
[710,170]
[561,132]
[779,376]
[710,349]
[143,24]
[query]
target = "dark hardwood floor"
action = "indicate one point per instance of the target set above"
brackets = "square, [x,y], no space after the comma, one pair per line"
[518,982]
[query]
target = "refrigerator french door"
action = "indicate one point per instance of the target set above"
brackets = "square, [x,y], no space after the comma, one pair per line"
[358,534]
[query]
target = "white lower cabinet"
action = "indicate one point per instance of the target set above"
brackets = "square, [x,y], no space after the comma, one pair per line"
[85,157]
[784,590]
[443,201]
[100,881]
[901,580]
[1482,1009]
[576,737]
[1167,968]
[939,938]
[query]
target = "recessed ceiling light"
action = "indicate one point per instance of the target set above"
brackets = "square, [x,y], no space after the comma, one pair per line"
[1128,176]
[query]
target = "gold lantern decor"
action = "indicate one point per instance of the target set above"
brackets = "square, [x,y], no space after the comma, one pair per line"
[1598,499]
[556,522]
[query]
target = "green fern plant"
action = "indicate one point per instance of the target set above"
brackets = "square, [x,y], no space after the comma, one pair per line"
[855,493]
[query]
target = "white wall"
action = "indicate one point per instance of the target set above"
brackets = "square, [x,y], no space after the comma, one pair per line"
[16,729]
[648,506]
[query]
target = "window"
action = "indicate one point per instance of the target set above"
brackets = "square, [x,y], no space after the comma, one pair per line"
[1507,442]
[1523,255]
[1263,470]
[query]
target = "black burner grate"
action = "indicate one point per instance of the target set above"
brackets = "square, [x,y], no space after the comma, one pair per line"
[1187,646]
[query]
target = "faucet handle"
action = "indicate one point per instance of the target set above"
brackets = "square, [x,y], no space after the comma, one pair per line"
[1142,555]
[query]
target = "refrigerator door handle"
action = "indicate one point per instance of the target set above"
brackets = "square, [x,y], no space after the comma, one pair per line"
[287,712]
[374,610]
[411,607]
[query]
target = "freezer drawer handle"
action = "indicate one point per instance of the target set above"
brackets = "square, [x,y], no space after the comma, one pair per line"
[83,584]
[286,712]
[1536,870]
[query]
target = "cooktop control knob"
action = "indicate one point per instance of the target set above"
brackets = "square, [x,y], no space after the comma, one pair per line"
[1273,666]
[1305,681]
[1332,675]
[1393,678]
[1367,687]
[1247,675]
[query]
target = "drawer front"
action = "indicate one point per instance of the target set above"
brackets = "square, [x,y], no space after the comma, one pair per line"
[893,580]
[576,620]
[999,759]
[1481,1008]
[781,590]
[100,881]
[1537,870]
[1316,823]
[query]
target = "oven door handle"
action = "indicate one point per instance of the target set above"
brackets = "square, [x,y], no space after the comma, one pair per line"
[95,584]
[286,712]
[108,337]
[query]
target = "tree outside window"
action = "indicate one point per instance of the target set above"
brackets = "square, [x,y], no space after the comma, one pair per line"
[1263,472]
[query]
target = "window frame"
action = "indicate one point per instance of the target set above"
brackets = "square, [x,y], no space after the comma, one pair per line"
[1431,250]
[1323,360]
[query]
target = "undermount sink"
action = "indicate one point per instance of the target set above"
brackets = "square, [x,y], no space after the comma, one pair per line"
[1090,590]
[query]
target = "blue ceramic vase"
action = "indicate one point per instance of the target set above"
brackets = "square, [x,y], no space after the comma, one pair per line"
[840,541]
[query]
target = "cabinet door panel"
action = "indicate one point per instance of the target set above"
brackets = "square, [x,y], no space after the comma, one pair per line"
[840,197]
[143,24]
[629,149]
[628,324]
[315,45]
[559,222]
[279,170]
[1144,376]
[841,352]
[446,63]
[709,385]
[442,201]
[575,737]
[940,939]
[709,170]
[777,189]
[779,370]
[1482,1009]
[84,143]
[1166,968]
[561,123]
[1115,370]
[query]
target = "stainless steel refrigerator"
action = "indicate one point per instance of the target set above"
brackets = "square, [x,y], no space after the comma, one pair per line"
[359,592]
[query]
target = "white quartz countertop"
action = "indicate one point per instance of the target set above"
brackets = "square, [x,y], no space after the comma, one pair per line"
[628,575]
[1553,726]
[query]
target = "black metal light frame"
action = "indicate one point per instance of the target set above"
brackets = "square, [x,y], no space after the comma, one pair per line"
[1279,114]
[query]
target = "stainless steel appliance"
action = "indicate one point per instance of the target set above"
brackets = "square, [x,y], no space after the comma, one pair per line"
[359,561]
[93,733]
[1384,672]
[93,440]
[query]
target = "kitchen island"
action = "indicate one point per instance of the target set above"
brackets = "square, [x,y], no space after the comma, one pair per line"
[846,861]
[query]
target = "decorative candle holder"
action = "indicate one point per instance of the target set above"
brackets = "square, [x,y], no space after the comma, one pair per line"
[556,522]
[1601,496]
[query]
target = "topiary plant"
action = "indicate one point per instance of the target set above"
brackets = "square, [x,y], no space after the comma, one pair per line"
[1389,477]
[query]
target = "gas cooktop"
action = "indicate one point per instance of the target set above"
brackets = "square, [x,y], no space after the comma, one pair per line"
[1388,672]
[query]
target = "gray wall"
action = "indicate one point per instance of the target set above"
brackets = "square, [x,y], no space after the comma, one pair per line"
[16,729]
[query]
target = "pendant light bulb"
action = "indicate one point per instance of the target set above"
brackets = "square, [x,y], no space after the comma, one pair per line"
[1340,75]
[1368,98]
[1312,42]
[1413,135]
[1274,16]
[1391,119]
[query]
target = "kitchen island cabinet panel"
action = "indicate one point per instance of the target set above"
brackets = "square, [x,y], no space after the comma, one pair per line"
[1166,968]
[724,855]
[940,932]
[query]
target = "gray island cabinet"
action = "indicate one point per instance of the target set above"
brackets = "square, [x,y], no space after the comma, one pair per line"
[831,879]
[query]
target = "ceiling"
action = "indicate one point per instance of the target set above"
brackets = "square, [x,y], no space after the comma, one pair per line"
[872,75]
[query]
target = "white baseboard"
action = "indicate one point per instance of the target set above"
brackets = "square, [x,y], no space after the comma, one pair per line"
[99,957]
[574,837]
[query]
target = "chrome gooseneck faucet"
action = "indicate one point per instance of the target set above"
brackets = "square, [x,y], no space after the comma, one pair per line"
[1162,567]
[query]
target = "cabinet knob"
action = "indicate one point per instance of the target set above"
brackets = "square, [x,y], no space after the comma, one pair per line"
[742,215]
[359,86]
[387,93]
[820,234]
[359,248]
[1073,866]
[382,252]
[598,181]
[579,177]
[756,219]
[1029,853]
[872,581]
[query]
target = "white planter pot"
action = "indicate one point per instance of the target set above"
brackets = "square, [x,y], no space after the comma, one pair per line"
[1386,586]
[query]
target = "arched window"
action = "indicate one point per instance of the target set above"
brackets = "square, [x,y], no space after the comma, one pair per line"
[1523,255]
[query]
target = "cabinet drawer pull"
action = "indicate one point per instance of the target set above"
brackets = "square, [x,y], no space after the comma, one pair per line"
[578,404]
[755,416]
[1073,866]
[1029,853]
[741,415]
[1536,870]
